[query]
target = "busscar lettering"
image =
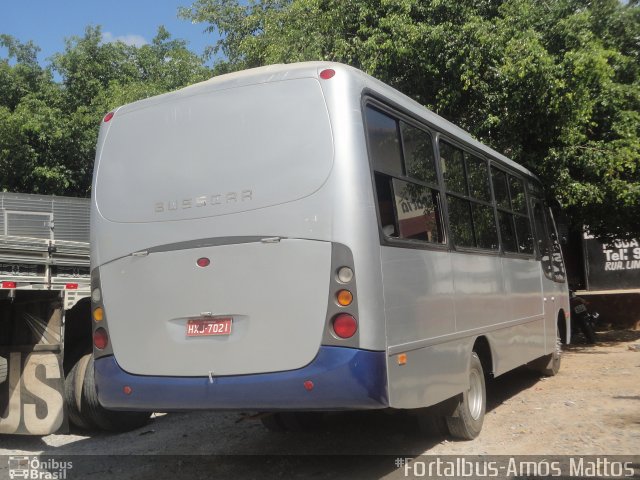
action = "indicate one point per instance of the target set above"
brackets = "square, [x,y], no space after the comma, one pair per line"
[210,200]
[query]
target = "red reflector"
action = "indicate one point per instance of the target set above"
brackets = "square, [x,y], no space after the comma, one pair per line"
[127,390]
[8,284]
[71,286]
[308,385]
[345,325]
[327,74]
[100,338]
[203,262]
[107,117]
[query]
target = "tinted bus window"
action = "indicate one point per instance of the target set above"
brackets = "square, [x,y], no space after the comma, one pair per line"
[418,154]
[452,162]
[384,143]
[478,175]
[408,209]
[460,222]
[418,213]
[472,222]
[515,227]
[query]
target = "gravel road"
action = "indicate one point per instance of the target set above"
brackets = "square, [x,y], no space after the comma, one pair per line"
[592,407]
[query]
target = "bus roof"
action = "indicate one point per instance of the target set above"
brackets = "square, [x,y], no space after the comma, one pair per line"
[281,72]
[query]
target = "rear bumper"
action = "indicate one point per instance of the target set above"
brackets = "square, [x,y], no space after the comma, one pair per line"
[343,379]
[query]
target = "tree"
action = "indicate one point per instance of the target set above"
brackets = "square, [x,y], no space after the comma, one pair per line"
[554,85]
[49,129]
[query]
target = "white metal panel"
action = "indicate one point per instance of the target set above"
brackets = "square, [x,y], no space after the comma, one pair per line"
[219,153]
[275,292]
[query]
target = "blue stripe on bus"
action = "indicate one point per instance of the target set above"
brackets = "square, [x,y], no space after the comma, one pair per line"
[343,378]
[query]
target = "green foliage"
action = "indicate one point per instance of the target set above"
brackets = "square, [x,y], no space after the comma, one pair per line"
[554,85]
[49,129]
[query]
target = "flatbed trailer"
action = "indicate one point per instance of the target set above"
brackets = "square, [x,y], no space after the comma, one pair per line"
[45,326]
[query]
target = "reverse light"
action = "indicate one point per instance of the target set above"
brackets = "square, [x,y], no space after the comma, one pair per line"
[345,274]
[344,298]
[8,284]
[98,314]
[100,338]
[96,295]
[327,74]
[344,325]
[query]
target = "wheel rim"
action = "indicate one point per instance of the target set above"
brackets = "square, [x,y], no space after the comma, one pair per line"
[475,395]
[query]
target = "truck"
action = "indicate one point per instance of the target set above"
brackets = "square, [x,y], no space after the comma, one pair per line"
[46,368]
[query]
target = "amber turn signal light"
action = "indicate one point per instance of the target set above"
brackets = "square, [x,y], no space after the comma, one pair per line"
[344,297]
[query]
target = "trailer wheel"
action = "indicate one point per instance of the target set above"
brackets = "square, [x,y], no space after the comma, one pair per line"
[73,384]
[3,370]
[466,421]
[111,420]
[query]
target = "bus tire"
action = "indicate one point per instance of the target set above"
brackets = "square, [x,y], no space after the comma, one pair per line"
[466,421]
[73,384]
[110,420]
[549,365]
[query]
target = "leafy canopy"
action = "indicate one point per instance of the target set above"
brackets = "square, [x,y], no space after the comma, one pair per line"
[555,85]
[49,129]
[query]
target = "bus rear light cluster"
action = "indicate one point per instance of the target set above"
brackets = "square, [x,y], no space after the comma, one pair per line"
[8,284]
[100,338]
[344,325]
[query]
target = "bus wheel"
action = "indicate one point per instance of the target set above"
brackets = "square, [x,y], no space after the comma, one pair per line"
[549,365]
[111,420]
[73,393]
[466,421]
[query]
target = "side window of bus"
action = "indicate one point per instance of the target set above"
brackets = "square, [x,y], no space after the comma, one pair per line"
[542,237]
[557,264]
[513,216]
[405,178]
[471,215]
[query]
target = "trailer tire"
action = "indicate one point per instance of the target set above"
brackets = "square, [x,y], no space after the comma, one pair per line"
[3,370]
[466,421]
[111,420]
[73,392]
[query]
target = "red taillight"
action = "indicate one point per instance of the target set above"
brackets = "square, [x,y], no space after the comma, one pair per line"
[107,117]
[327,74]
[203,262]
[344,325]
[100,338]
[71,286]
[8,284]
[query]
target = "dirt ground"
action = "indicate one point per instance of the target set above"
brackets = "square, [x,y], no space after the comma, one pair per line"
[592,407]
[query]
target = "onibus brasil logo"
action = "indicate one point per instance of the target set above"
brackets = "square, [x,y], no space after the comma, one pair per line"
[38,469]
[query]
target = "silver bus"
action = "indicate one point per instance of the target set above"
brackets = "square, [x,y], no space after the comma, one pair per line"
[303,237]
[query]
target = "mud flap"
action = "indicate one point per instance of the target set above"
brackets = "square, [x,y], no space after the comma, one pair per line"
[32,395]
[31,399]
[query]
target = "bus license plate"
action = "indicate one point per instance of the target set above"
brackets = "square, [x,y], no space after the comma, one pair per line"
[203,328]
